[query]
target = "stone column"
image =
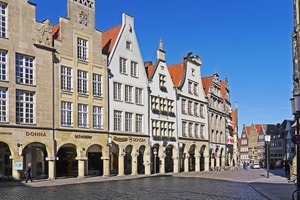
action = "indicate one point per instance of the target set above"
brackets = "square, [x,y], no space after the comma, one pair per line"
[121,163]
[81,167]
[134,163]
[16,174]
[197,163]
[147,167]
[175,164]
[223,161]
[162,164]
[186,163]
[206,163]
[51,168]
[106,164]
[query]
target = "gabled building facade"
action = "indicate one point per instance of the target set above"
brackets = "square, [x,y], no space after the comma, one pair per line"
[244,156]
[128,100]
[216,120]
[26,111]
[162,115]
[253,142]
[192,119]
[80,94]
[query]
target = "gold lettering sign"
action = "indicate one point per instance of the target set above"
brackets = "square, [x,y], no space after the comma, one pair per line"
[36,134]
[129,139]
[5,133]
[83,137]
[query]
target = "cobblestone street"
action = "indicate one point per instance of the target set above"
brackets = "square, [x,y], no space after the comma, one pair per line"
[204,185]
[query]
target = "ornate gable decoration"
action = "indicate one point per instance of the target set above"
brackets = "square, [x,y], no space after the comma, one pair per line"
[83,18]
[43,33]
[87,3]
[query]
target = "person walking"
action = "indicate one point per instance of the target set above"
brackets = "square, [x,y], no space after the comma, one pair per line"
[28,173]
[287,168]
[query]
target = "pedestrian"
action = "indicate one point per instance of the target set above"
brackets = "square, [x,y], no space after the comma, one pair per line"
[287,168]
[28,173]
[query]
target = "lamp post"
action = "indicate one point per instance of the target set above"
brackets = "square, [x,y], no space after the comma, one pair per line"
[267,142]
[109,140]
[295,102]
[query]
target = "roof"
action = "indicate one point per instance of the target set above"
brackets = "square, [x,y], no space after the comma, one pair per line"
[149,70]
[234,117]
[177,73]
[109,38]
[56,32]
[206,82]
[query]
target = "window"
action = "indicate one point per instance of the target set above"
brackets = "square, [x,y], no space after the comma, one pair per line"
[24,69]
[184,128]
[117,120]
[128,93]
[128,122]
[190,107]
[134,69]
[190,87]
[139,123]
[190,130]
[24,107]
[195,89]
[97,117]
[183,106]
[3,65]
[3,105]
[128,45]
[66,113]
[117,91]
[155,128]
[82,82]
[139,96]
[196,130]
[196,107]
[66,78]
[201,110]
[162,82]
[202,132]
[83,116]
[123,66]
[97,85]
[3,17]
[82,49]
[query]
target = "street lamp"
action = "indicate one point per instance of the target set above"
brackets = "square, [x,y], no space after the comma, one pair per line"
[295,103]
[267,140]
[109,140]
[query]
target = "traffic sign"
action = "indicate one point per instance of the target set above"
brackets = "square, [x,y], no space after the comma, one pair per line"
[296,139]
[155,150]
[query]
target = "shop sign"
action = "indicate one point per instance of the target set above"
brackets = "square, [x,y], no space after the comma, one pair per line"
[36,134]
[83,137]
[129,139]
[18,165]
[5,133]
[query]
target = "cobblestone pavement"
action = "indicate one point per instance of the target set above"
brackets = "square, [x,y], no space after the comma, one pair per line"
[241,184]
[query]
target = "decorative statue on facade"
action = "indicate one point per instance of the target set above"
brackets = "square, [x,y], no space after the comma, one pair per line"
[83,18]
[43,34]
[296,70]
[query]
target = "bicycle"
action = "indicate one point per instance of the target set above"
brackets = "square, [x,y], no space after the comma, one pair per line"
[295,193]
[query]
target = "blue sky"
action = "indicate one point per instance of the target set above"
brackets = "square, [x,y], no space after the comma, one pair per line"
[250,41]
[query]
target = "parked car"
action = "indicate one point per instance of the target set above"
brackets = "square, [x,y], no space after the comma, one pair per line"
[255,166]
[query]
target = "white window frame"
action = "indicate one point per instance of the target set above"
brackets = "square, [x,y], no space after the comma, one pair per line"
[184,128]
[3,20]
[128,45]
[25,107]
[3,64]
[139,123]
[24,69]
[82,49]
[97,117]
[134,69]
[139,96]
[117,91]
[3,105]
[117,120]
[128,121]
[123,65]
[83,115]
[97,85]
[82,81]
[66,79]
[128,94]
[66,113]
